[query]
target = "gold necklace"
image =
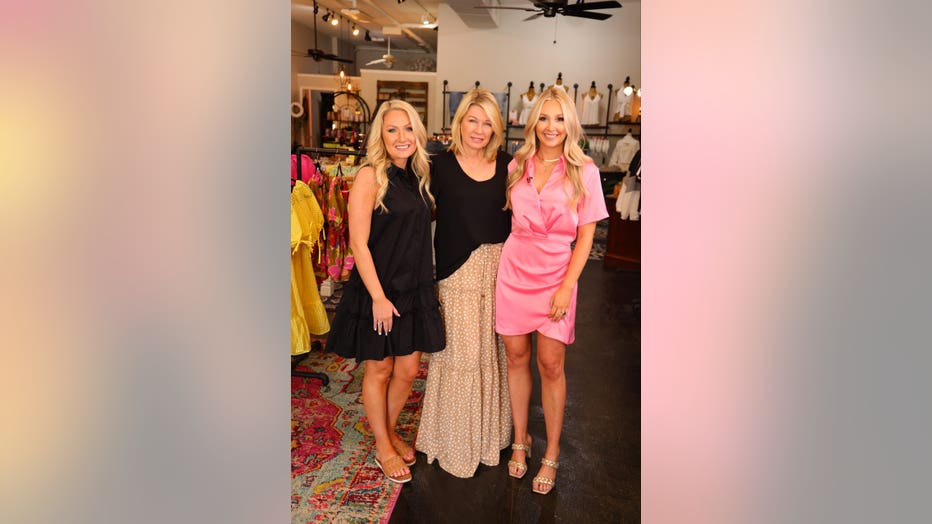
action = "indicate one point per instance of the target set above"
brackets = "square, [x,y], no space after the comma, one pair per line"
[549,161]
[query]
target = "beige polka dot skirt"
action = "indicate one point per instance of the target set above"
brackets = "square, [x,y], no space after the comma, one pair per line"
[466,417]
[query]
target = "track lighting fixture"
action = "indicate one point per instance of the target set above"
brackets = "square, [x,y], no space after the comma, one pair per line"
[355,30]
[334,21]
[425,19]
[326,16]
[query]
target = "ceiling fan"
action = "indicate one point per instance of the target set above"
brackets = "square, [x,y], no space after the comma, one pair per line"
[317,53]
[388,59]
[551,9]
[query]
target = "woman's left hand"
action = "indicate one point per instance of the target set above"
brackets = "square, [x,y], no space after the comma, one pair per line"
[560,304]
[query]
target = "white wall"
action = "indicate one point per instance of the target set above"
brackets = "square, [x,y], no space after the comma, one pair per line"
[605,51]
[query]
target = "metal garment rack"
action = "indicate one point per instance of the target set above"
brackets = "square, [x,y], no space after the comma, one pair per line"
[315,344]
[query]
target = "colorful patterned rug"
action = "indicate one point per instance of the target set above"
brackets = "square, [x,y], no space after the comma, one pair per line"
[333,476]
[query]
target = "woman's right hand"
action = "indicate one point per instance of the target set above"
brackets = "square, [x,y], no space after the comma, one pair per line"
[382,311]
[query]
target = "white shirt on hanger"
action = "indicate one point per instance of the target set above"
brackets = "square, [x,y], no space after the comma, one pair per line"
[624,152]
[589,109]
[526,105]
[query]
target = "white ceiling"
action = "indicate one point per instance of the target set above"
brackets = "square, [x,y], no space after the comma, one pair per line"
[374,16]
[405,16]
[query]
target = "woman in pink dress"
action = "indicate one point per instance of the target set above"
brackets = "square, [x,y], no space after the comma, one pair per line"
[555,194]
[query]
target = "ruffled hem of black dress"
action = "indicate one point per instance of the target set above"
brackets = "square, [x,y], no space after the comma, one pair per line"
[419,328]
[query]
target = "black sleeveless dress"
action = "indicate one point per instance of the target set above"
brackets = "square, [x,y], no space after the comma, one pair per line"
[400,243]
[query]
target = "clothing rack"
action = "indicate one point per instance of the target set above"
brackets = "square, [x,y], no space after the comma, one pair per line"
[328,151]
[446,94]
[316,343]
[309,374]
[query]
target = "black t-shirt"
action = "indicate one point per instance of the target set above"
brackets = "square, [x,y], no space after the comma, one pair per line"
[469,213]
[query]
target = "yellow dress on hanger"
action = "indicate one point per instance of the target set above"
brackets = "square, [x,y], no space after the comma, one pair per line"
[308,315]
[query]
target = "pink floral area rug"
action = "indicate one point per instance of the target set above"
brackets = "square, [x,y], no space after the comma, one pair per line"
[333,475]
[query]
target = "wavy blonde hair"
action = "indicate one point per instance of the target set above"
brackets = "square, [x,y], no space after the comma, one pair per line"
[572,153]
[378,158]
[487,102]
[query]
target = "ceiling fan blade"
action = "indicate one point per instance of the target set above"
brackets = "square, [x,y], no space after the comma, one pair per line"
[589,6]
[587,14]
[336,58]
[532,17]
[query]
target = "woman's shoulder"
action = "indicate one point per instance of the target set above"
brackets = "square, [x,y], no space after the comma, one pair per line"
[443,156]
[589,170]
[512,163]
[365,174]
[504,159]
[589,167]
[442,161]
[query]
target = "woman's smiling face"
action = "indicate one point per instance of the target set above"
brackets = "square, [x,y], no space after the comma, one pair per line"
[398,136]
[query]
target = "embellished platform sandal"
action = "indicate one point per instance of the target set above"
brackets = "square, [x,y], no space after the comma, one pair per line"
[546,481]
[520,466]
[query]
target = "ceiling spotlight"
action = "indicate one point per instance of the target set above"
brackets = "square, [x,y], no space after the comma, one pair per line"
[326,16]
[368,38]
[425,19]
[355,30]
[628,90]
[334,21]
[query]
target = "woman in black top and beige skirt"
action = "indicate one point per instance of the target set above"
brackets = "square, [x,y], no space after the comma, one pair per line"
[466,416]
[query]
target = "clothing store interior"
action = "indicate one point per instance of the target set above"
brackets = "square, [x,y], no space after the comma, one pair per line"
[349,57]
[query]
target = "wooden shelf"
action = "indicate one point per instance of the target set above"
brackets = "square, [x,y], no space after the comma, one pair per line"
[414,93]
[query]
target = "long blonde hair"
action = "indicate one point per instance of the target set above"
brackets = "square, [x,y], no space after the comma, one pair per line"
[487,102]
[573,154]
[377,156]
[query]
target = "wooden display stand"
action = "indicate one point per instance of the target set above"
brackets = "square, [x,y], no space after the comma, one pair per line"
[623,246]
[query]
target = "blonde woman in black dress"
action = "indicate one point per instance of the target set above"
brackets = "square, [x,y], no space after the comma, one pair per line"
[389,312]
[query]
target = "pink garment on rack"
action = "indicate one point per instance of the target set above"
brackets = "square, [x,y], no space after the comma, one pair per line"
[309,172]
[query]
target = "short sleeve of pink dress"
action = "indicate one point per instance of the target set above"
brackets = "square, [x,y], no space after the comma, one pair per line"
[537,253]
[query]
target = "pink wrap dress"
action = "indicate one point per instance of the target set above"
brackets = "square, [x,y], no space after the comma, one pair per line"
[537,253]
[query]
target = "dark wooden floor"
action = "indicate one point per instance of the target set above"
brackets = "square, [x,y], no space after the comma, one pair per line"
[599,476]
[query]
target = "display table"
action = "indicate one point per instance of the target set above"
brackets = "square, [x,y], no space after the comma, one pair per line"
[623,245]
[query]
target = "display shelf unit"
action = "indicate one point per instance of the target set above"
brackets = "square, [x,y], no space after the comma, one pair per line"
[623,245]
[344,120]
[414,93]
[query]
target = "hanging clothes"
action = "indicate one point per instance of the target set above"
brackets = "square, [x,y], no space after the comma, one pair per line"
[628,204]
[337,256]
[589,110]
[623,104]
[624,152]
[308,315]
[526,105]
[308,169]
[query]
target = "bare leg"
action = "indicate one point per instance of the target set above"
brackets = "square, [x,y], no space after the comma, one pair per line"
[518,349]
[399,388]
[375,401]
[550,357]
